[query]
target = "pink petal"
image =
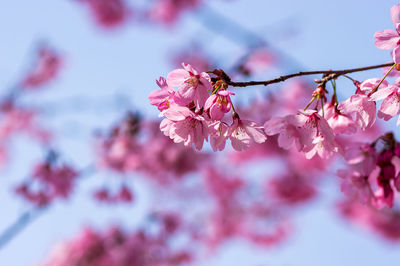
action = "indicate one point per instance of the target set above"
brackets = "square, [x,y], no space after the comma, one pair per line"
[216,112]
[396,54]
[190,69]
[210,101]
[395,14]
[396,163]
[389,107]
[177,77]
[371,84]
[185,94]
[386,39]
[381,93]
[177,113]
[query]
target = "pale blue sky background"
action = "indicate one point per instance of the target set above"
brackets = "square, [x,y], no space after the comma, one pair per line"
[325,34]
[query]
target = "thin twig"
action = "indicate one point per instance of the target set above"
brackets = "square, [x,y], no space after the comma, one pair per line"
[16,227]
[330,74]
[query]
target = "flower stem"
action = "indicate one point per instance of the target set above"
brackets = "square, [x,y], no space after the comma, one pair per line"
[312,100]
[384,77]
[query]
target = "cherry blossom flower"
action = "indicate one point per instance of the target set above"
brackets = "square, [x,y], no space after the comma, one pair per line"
[370,84]
[360,108]
[287,130]
[307,131]
[373,173]
[192,86]
[291,189]
[163,98]
[164,161]
[340,123]
[45,69]
[121,151]
[385,223]
[219,133]
[124,195]
[391,102]
[16,120]
[168,11]
[389,39]
[108,13]
[53,182]
[116,247]
[182,125]
[218,104]
[242,132]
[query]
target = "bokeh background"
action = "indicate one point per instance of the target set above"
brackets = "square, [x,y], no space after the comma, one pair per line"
[109,71]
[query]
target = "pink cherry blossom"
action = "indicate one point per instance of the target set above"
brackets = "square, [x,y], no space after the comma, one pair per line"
[108,13]
[391,102]
[389,39]
[168,11]
[218,104]
[182,125]
[120,150]
[340,123]
[287,130]
[47,66]
[291,189]
[48,183]
[219,133]
[124,195]
[242,132]
[370,84]
[116,247]
[164,161]
[383,222]
[192,86]
[15,119]
[360,108]
[162,98]
[307,130]
[373,172]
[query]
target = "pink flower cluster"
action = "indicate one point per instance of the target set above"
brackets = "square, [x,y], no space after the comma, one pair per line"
[116,247]
[196,111]
[168,11]
[234,216]
[124,195]
[385,223]
[390,39]
[137,146]
[47,66]
[373,172]
[108,13]
[48,182]
[15,120]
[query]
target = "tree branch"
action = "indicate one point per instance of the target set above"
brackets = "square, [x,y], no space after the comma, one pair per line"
[333,75]
[23,220]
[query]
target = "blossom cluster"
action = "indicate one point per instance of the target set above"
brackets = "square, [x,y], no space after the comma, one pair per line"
[373,172]
[196,112]
[116,247]
[49,181]
[45,69]
[124,195]
[134,145]
[110,14]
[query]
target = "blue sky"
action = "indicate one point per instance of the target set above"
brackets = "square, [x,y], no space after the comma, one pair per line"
[320,34]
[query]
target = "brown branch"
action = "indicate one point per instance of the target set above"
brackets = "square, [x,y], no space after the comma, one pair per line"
[329,74]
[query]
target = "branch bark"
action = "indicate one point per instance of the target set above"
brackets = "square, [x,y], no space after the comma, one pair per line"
[333,74]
